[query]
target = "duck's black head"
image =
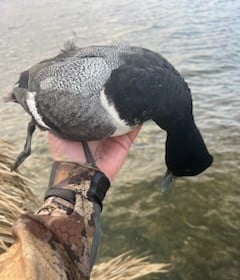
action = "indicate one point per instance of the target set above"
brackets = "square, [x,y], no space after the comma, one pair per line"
[186,152]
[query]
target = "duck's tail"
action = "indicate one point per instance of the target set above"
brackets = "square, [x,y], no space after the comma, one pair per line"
[20,86]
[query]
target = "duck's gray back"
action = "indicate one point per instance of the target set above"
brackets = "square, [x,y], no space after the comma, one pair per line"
[68,89]
[78,69]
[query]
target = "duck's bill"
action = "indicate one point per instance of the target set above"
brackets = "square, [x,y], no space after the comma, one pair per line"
[167,179]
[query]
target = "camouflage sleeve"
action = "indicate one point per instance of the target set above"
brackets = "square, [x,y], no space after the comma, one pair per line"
[61,239]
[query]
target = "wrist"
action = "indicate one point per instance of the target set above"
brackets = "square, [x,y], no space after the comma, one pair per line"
[70,215]
[69,179]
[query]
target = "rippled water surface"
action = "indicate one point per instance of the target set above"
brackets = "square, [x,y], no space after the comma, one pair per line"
[196,224]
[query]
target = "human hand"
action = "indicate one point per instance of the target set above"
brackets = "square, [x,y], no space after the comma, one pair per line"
[109,154]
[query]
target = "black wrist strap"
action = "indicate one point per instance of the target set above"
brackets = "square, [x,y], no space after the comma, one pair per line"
[99,186]
[65,194]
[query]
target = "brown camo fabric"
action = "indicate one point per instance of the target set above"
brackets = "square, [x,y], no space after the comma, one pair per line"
[55,242]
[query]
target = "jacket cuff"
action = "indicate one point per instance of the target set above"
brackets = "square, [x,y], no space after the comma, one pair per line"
[68,179]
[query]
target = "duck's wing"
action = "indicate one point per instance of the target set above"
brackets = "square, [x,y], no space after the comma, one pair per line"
[63,94]
[76,75]
[67,96]
[77,70]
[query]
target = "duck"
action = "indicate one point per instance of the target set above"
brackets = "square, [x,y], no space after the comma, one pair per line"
[90,93]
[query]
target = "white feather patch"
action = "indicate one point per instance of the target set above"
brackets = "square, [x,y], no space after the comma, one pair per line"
[120,124]
[31,104]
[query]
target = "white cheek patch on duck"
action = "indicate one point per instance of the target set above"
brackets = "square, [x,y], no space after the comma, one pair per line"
[31,104]
[120,124]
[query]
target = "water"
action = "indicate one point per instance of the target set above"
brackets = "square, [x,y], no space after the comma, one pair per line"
[196,224]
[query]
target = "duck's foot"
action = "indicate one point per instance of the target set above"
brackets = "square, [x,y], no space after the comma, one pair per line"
[27,147]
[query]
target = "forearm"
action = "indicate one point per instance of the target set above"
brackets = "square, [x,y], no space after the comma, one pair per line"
[60,241]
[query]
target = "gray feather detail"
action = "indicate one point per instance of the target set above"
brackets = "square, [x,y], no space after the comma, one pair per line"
[74,118]
[68,90]
[82,71]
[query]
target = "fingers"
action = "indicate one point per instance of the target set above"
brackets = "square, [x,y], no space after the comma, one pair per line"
[126,140]
[133,134]
[109,153]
